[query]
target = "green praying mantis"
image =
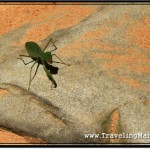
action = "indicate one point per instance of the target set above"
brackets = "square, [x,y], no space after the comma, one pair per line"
[41,58]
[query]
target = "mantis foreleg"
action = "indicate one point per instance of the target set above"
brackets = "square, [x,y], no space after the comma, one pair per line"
[60,60]
[54,46]
[47,45]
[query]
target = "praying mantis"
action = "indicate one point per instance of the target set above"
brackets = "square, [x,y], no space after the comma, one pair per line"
[40,57]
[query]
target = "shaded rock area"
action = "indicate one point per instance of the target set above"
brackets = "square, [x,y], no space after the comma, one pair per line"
[105,90]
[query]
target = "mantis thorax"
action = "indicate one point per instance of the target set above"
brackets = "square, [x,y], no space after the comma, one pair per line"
[47,56]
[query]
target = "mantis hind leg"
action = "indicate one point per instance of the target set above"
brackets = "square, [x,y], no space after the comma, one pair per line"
[34,73]
[23,60]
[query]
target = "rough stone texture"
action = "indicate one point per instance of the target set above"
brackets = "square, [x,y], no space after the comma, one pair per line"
[107,86]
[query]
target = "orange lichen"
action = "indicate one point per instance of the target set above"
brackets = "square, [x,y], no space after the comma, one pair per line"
[62,16]
[132,82]
[114,125]
[96,33]
[45,18]
[17,15]
[3,92]
[147,102]
[9,137]
[113,59]
[140,69]
[71,50]
[114,122]
[131,61]
[122,20]
[139,32]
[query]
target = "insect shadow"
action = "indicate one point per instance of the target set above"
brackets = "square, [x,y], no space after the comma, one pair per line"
[52,69]
[42,58]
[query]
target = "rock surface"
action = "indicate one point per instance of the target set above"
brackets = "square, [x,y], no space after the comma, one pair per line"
[11,138]
[105,90]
